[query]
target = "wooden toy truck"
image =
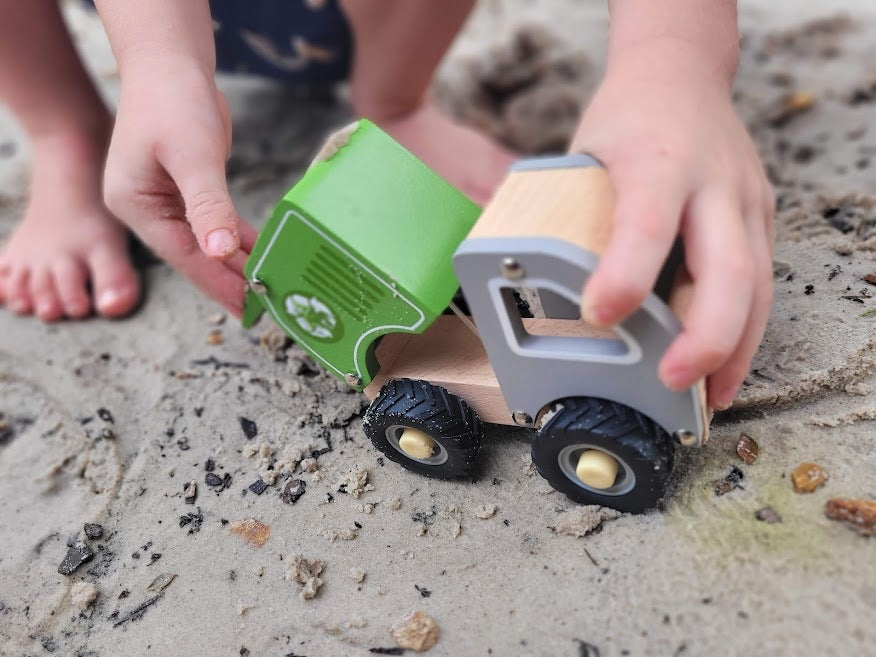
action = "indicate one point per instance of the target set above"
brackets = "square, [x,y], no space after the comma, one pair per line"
[447,317]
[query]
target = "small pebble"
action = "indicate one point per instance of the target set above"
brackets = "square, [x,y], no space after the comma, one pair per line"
[768,515]
[358,575]
[860,514]
[416,631]
[215,338]
[293,491]
[212,479]
[806,477]
[747,448]
[190,492]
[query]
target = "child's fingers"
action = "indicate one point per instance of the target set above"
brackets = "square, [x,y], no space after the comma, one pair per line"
[719,258]
[237,262]
[724,384]
[248,237]
[220,283]
[648,206]
[197,167]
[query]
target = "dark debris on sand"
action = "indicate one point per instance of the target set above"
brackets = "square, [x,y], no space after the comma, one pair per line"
[77,554]
[93,531]
[728,482]
[258,486]
[250,428]
[193,521]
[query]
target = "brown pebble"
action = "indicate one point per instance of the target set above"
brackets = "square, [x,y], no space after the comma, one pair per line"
[252,531]
[747,448]
[870,278]
[789,106]
[416,631]
[215,338]
[806,477]
[768,515]
[799,101]
[860,514]
[190,492]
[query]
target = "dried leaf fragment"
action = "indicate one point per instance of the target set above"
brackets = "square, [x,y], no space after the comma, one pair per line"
[161,582]
[860,514]
[747,448]
[415,631]
[806,477]
[252,531]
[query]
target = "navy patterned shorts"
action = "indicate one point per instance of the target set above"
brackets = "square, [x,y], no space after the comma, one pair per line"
[298,41]
[301,41]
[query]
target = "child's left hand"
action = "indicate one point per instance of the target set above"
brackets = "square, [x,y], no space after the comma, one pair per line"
[682,163]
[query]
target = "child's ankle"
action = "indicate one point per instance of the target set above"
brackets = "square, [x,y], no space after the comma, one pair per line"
[380,108]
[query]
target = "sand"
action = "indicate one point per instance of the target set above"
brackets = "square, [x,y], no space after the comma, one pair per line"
[107,422]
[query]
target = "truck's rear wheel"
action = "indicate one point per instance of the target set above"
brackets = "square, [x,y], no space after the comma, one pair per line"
[424,428]
[601,452]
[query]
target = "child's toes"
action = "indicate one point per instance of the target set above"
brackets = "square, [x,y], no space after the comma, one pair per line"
[16,289]
[44,297]
[115,284]
[4,274]
[71,282]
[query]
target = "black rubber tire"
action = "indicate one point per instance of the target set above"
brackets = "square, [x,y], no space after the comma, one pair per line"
[644,446]
[431,409]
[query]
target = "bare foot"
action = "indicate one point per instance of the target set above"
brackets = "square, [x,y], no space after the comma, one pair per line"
[69,255]
[468,160]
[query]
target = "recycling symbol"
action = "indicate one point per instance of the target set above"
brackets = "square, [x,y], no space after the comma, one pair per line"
[313,316]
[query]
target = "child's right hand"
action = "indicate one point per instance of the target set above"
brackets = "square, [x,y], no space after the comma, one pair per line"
[165,174]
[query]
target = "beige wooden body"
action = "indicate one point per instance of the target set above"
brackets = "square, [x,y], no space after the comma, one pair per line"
[575,205]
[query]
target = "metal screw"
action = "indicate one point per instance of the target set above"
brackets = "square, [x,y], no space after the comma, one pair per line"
[352,380]
[512,269]
[521,418]
[686,438]
[257,286]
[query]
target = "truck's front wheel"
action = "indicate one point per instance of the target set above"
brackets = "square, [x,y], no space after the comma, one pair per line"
[424,428]
[601,452]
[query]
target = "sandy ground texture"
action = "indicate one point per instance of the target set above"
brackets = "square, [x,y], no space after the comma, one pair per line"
[108,422]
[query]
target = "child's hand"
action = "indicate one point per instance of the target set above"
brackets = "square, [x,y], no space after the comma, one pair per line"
[682,163]
[165,175]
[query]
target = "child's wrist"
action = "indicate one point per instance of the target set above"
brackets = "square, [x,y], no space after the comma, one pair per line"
[155,67]
[672,59]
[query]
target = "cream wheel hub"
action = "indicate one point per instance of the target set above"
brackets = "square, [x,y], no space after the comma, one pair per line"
[596,468]
[416,444]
